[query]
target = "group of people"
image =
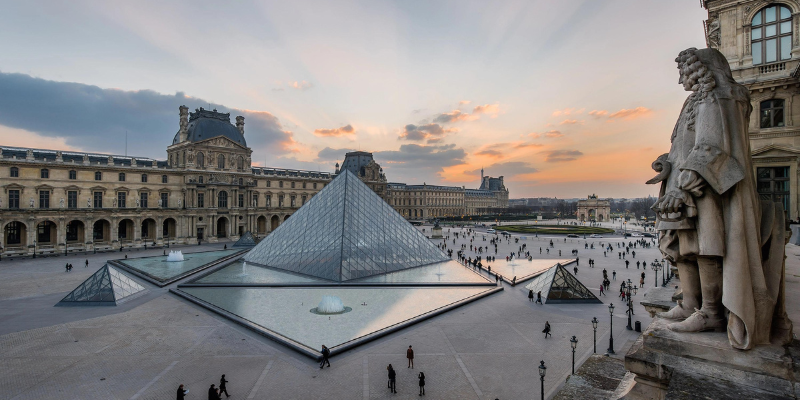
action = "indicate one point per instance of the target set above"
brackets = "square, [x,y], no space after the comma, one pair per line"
[214,392]
[392,384]
[68,267]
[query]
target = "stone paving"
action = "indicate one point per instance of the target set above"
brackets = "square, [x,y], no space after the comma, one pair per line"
[145,348]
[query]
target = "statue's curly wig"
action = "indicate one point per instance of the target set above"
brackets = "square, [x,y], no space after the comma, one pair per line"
[696,76]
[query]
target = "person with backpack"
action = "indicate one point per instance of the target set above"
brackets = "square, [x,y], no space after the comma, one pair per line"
[325,354]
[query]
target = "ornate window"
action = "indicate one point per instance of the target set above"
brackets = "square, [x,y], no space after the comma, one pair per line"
[72,199]
[14,172]
[222,200]
[98,176]
[200,179]
[773,184]
[771,35]
[73,174]
[164,199]
[143,199]
[240,163]
[44,199]
[98,199]
[201,197]
[44,173]
[13,199]
[772,113]
[201,160]
[121,197]
[221,161]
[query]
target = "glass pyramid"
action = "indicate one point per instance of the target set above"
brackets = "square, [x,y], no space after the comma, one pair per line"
[107,286]
[247,240]
[345,232]
[559,286]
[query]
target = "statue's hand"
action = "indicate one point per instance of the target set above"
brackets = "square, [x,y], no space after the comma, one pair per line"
[672,202]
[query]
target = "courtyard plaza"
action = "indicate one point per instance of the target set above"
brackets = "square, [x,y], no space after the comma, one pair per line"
[145,348]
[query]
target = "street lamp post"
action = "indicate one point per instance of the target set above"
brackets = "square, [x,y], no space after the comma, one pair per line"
[611,331]
[655,273]
[630,290]
[594,326]
[574,343]
[34,248]
[663,276]
[542,372]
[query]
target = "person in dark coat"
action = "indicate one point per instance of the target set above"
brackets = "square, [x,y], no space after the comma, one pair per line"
[181,392]
[410,357]
[539,297]
[421,377]
[547,329]
[392,379]
[325,354]
[222,387]
[530,295]
[212,393]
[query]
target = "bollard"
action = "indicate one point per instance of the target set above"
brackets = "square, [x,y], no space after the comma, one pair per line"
[638,326]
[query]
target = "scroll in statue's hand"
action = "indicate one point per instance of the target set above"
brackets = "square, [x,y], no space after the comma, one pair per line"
[675,205]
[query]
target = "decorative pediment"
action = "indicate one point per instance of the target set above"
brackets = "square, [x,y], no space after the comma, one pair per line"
[98,189]
[122,189]
[221,141]
[73,188]
[774,150]
[43,187]
[14,186]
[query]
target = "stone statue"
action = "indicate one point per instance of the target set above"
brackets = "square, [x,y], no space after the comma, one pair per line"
[137,203]
[713,34]
[179,204]
[114,203]
[31,202]
[727,244]
[159,202]
[61,202]
[88,203]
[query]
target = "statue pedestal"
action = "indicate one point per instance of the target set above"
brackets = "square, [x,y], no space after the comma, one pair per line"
[676,365]
[436,232]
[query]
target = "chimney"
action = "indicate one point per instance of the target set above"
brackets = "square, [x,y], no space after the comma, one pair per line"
[183,111]
[240,124]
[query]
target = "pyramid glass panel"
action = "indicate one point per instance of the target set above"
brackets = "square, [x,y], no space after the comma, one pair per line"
[345,232]
[558,285]
[107,286]
[247,240]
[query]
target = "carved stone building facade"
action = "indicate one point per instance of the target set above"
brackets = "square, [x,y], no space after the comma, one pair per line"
[761,41]
[593,209]
[206,189]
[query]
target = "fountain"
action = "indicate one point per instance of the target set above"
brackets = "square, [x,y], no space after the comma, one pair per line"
[175,256]
[330,305]
[244,270]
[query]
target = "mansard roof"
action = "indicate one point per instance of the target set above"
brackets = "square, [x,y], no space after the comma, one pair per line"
[207,124]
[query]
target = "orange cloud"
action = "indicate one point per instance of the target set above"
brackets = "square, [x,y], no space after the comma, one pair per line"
[569,122]
[526,145]
[548,134]
[301,85]
[464,102]
[629,114]
[454,116]
[486,109]
[490,153]
[568,111]
[336,132]
[598,113]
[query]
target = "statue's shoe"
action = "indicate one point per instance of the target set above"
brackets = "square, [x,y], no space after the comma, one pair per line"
[677,312]
[699,321]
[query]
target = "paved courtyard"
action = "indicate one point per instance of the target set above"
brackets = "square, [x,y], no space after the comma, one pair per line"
[145,348]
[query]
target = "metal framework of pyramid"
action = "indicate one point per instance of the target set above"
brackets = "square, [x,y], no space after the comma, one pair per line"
[106,287]
[345,232]
[247,240]
[559,286]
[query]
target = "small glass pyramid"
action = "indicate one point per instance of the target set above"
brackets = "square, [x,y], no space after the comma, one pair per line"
[108,286]
[559,286]
[345,232]
[247,240]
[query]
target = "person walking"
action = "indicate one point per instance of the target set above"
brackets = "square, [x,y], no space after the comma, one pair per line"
[530,295]
[212,393]
[546,329]
[410,357]
[87,263]
[421,377]
[539,297]
[392,379]
[182,392]
[614,274]
[576,270]
[325,354]
[602,292]
[222,387]
[66,267]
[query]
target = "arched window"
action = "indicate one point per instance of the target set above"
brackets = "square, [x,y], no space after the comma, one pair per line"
[98,176]
[122,177]
[222,200]
[240,163]
[771,113]
[771,35]
[201,160]
[221,161]
[14,172]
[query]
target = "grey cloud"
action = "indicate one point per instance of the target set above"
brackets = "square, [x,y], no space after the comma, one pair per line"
[414,163]
[329,154]
[562,155]
[422,132]
[96,119]
[506,169]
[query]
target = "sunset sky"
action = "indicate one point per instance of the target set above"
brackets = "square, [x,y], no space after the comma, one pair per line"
[563,98]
